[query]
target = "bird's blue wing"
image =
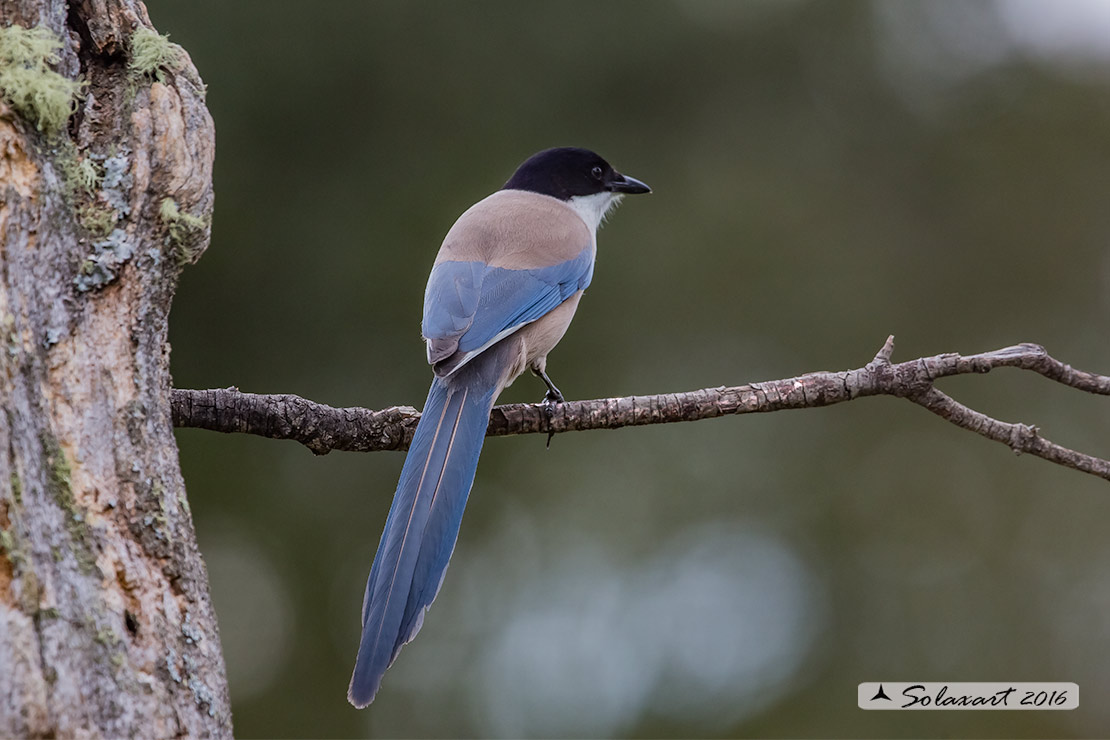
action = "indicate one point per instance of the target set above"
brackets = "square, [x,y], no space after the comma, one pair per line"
[469,305]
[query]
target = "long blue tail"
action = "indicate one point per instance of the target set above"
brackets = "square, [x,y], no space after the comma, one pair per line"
[423,522]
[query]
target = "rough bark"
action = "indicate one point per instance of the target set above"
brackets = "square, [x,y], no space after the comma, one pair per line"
[106,627]
[322,428]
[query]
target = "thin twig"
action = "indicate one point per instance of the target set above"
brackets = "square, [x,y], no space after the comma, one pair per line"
[324,428]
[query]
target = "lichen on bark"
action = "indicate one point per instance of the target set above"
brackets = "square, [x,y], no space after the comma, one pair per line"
[29,83]
[106,626]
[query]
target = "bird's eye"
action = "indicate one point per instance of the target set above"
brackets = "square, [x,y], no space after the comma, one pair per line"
[597,173]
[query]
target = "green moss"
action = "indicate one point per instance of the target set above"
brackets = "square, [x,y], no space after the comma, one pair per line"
[58,474]
[9,336]
[50,613]
[160,519]
[29,84]
[98,219]
[87,175]
[184,229]
[29,599]
[107,636]
[151,53]
[7,544]
[78,174]
[59,486]
[173,216]
[17,488]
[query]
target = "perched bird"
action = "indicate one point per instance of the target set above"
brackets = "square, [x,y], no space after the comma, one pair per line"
[504,287]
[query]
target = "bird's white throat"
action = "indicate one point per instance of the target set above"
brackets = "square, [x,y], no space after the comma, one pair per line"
[592,208]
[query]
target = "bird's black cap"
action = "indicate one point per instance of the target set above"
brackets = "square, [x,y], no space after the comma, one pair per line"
[567,171]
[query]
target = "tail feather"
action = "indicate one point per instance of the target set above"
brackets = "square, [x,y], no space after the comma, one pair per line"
[423,522]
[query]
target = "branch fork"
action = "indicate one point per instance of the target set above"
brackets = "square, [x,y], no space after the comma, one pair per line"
[323,428]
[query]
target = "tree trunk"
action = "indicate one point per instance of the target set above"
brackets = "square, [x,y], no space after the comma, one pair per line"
[106,627]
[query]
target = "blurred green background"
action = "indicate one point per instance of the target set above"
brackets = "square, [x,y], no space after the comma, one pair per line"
[825,174]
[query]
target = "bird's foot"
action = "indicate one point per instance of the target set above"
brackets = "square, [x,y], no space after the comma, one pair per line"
[551,399]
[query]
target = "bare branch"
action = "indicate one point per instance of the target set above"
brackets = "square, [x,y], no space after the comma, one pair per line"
[1018,437]
[324,428]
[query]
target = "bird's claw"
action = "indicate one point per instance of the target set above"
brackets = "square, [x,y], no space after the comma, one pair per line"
[551,399]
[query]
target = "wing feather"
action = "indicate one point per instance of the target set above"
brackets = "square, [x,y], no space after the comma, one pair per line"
[469,306]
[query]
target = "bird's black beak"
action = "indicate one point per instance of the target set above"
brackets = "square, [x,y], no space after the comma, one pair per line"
[625,184]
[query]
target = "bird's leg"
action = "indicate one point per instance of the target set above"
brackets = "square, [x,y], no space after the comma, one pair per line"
[550,399]
[553,395]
